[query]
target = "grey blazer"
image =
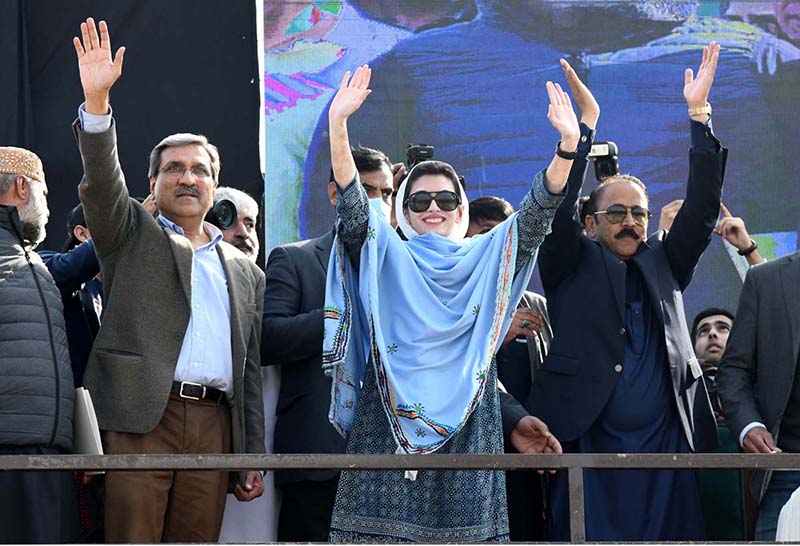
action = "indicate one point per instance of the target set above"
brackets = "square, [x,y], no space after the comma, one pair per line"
[147,281]
[757,372]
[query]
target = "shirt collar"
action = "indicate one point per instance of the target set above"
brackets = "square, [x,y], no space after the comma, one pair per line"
[211,230]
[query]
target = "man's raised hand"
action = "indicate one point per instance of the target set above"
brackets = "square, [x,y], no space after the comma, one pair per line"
[351,95]
[590,110]
[562,117]
[695,90]
[97,69]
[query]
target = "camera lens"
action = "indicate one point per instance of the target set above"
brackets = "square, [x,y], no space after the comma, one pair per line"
[225,214]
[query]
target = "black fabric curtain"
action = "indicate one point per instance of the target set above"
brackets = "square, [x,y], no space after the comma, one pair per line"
[190,66]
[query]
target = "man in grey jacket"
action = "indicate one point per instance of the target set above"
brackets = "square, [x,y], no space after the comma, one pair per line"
[176,364]
[36,392]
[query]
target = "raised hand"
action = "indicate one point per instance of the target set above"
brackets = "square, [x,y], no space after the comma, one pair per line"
[732,229]
[695,90]
[562,117]
[97,69]
[668,214]
[351,95]
[590,110]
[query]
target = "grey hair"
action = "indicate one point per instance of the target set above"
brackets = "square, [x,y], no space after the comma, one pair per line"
[6,179]
[242,200]
[184,139]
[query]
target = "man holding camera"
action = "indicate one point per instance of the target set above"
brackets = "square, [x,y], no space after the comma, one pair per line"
[175,367]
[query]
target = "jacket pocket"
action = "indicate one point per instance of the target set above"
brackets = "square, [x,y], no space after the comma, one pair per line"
[560,364]
[116,353]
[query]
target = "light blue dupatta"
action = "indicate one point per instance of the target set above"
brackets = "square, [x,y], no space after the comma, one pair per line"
[430,314]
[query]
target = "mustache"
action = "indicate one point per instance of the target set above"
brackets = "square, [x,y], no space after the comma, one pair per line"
[187,190]
[627,232]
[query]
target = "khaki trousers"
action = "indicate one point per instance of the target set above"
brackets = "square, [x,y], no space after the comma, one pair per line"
[173,506]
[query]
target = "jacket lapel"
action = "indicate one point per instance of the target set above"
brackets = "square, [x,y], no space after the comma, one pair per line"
[182,249]
[323,250]
[647,264]
[790,279]
[616,276]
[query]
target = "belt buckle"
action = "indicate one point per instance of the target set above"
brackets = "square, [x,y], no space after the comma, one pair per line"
[184,383]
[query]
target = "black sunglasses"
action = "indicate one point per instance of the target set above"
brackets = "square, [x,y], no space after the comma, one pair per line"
[420,201]
[617,213]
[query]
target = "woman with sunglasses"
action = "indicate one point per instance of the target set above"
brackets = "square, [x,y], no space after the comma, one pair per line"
[411,329]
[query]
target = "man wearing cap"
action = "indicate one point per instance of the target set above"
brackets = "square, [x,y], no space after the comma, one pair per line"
[36,392]
[175,367]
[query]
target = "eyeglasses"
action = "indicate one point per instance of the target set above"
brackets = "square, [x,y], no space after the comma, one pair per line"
[176,171]
[420,201]
[617,213]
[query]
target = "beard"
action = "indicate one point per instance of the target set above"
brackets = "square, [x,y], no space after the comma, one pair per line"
[34,215]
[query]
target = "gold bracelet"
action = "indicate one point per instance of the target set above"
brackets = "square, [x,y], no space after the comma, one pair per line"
[701,110]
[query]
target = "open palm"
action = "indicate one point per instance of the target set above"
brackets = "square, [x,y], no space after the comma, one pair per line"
[97,69]
[561,114]
[351,95]
[695,90]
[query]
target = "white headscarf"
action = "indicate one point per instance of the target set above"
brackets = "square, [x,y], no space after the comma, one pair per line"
[460,230]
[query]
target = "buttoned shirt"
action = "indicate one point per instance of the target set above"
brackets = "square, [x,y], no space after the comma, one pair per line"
[205,355]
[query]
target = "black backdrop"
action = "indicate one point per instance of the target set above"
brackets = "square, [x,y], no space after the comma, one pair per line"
[190,66]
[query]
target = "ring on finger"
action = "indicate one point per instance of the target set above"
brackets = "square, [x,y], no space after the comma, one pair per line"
[526,324]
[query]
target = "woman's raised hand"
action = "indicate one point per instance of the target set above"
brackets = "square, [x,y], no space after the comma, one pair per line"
[562,117]
[351,95]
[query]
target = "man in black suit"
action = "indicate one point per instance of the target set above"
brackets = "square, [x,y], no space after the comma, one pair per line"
[292,338]
[757,380]
[621,374]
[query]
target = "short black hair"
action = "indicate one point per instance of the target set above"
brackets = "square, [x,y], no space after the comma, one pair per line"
[590,206]
[491,208]
[74,218]
[368,160]
[705,313]
[432,167]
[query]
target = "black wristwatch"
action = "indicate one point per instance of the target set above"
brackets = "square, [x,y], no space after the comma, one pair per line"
[749,250]
[565,155]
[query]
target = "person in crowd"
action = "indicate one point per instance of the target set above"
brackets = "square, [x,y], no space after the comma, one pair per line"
[523,350]
[710,331]
[721,491]
[758,381]
[76,273]
[621,375]
[175,367]
[292,339]
[730,228]
[436,311]
[243,235]
[486,212]
[36,390]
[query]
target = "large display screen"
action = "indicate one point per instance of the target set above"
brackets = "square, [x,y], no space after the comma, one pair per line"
[468,77]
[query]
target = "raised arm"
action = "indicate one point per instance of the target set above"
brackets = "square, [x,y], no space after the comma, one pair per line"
[351,95]
[352,204]
[696,219]
[102,189]
[559,253]
[537,209]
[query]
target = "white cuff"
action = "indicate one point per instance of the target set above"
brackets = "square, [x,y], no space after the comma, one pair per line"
[92,123]
[746,429]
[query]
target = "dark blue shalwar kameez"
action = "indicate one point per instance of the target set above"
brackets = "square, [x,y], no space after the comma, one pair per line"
[640,417]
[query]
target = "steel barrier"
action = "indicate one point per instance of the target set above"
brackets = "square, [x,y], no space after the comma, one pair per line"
[574,463]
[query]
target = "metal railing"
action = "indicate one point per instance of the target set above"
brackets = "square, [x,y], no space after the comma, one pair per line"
[573,463]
